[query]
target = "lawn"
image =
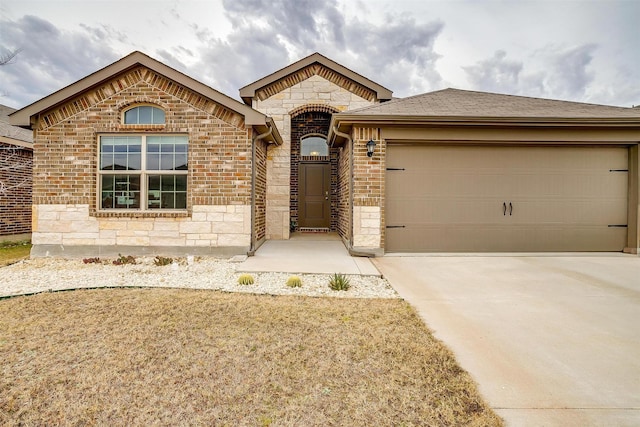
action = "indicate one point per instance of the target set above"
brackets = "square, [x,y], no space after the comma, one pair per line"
[11,252]
[189,357]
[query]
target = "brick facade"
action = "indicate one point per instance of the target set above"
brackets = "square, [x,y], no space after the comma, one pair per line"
[219,189]
[368,189]
[16,183]
[260,206]
[343,196]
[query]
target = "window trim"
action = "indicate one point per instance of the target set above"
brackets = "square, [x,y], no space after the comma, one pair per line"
[143,173]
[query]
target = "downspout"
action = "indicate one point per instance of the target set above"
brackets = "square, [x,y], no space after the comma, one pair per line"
[252,247]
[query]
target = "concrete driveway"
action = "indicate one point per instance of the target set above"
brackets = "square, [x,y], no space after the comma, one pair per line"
[551,340]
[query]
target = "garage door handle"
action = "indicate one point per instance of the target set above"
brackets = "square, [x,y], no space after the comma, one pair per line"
[510,208]
[504,208]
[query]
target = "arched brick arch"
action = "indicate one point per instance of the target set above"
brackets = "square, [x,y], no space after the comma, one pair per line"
[316,108]
[141,100]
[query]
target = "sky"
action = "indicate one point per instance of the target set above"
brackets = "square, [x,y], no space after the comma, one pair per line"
[576,50]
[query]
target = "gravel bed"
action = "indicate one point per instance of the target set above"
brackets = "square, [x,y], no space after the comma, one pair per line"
[51,274]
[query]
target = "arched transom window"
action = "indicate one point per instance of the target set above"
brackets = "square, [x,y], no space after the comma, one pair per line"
[144,115]
[314,146]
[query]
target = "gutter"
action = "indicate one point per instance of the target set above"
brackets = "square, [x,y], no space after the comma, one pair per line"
[404,119]
[252,247]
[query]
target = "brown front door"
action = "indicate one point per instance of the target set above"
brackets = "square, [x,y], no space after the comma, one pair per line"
[314,199]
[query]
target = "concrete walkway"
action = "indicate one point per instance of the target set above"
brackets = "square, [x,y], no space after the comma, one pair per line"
[321,253]
[550,340]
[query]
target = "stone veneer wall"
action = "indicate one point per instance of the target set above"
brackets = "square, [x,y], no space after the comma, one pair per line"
[65,170]
[314,85]
[368,191]
[16,182]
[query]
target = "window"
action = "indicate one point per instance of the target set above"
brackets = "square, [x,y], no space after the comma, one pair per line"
[143,172]
[144,115]
[314,146]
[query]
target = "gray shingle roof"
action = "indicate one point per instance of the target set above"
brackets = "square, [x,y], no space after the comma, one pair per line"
[464,103]
[10,131]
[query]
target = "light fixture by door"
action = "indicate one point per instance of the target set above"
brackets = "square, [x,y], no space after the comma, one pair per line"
[371,145]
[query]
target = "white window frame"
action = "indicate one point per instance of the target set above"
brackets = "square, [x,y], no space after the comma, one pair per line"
[143,173]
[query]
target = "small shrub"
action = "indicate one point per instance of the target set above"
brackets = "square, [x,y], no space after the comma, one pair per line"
[124,260]
[160,261]
[339,282]
[245,279]
[294,282]
[91,260]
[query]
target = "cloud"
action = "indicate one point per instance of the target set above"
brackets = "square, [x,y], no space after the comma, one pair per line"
[265,37]
[495,74]
[551,72]
[268,36]
[569,75]
[50,58]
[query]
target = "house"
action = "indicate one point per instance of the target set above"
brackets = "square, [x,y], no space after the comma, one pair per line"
[16,161]
[140,158]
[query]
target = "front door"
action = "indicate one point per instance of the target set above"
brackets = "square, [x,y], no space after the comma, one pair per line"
[314,199]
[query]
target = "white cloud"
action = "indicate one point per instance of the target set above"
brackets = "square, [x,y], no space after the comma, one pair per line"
[581,50]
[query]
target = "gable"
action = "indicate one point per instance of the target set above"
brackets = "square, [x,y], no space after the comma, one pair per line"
[115,77]
[316,70]
[139,76]
[313,65]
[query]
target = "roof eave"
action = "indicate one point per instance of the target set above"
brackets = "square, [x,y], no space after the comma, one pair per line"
[343,121]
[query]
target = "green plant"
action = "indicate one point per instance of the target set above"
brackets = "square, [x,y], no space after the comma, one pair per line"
[91,260]
[294,282]
[339,282]
[121,260]
[245,279]
[160,261]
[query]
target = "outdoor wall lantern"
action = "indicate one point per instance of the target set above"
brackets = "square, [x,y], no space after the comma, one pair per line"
[371,145]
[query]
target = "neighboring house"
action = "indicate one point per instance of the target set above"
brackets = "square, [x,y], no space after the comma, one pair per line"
[16,163]
[140,158]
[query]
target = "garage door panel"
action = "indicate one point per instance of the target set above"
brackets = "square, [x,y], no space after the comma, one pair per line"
[439,210]
[452,199]
[533,238]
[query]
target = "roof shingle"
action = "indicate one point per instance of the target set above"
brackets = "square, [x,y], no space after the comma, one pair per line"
[464,103]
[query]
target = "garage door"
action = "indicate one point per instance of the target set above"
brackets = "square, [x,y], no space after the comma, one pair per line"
[499,199]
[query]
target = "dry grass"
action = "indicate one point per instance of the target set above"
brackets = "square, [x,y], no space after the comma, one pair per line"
[11,252]
[185,357]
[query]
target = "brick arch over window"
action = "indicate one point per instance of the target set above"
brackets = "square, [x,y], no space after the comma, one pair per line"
[311,119]
[320,108]
[141,100]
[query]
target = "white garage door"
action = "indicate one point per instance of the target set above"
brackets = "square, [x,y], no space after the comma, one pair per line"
[495,199]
